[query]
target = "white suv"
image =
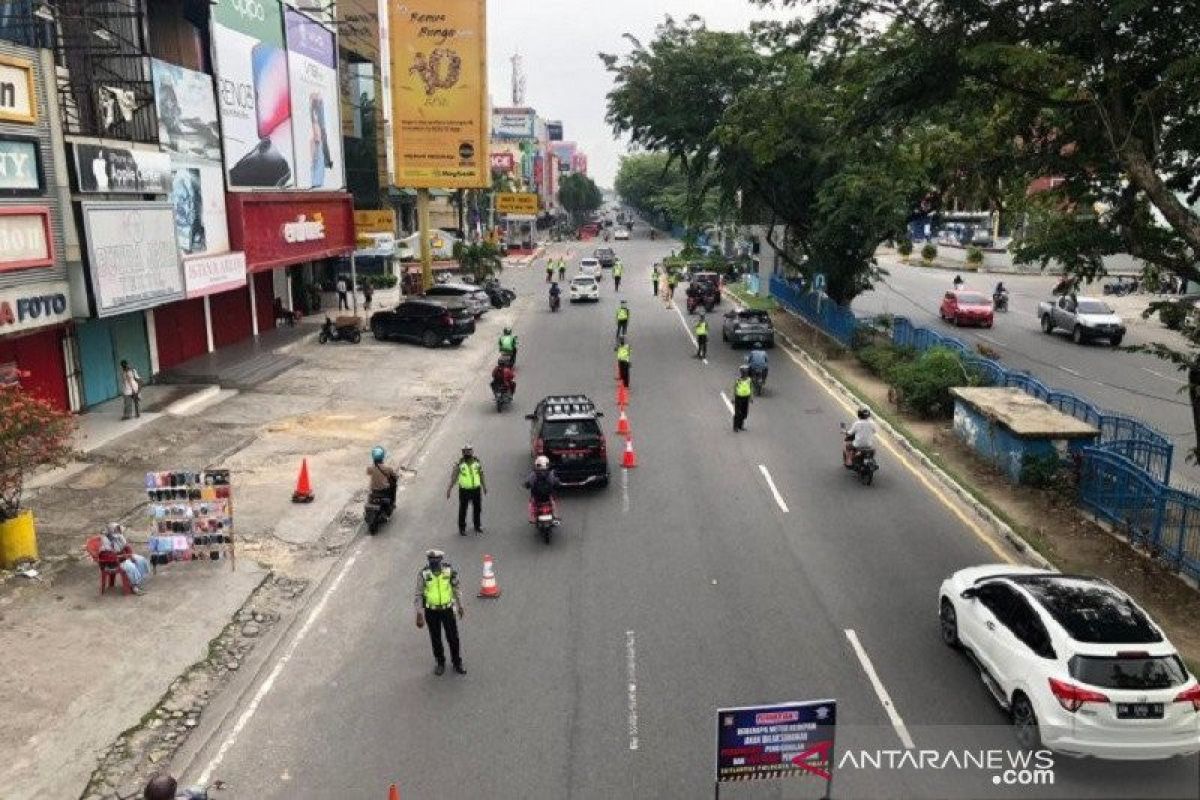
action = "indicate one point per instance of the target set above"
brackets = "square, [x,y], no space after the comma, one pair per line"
[584,287]
[590,267]
[1080,668]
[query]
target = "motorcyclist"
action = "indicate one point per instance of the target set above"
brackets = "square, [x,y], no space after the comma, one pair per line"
[383,478]
[555,293]
[958,282]
[541,483]
[859,436]
[757,362]
[508,345]
[503,376]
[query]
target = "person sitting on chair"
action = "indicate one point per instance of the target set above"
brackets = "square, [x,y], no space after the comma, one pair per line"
[136,567]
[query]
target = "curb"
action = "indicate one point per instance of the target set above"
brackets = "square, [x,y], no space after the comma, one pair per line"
[184,404]
[290,346]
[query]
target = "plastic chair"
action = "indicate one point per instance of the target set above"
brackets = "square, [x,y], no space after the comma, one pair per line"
[110,566]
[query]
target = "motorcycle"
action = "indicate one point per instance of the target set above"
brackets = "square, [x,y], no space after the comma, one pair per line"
[758,380]
[544,519]
[1000,301]
[555,302]
[378,509]
[346,329]
[863,464]
[500,297]
[502,394]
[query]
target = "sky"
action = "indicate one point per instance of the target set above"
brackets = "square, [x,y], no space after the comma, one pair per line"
[564,79]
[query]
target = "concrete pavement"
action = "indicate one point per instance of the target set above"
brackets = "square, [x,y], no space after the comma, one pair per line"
[725,570]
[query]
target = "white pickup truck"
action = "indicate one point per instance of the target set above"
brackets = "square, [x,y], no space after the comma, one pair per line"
[1085,318]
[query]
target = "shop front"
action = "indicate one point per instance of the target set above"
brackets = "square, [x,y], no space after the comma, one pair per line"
[215,313]
[33,319]
[289,241]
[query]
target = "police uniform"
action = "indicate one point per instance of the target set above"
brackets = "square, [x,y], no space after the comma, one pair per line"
[468,474]
[622,319]
[623,363]
[436,599]
[701,338]
[743,388]
[618,271]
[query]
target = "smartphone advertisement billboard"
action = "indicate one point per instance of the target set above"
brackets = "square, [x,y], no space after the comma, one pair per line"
[439,93]
[313,75]
[253,93]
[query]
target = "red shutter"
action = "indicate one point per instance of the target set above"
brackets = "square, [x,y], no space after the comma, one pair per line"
[230,316]
[40,354]
[179,332]
[264,298]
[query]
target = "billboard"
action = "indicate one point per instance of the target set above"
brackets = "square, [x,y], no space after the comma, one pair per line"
[503,162]
[516,203]
[133,261]
[439,93]
[776,741]
[20,166]
[116,170]
[513,123]
[554,130]
[198,198]
[187,111]
[313,75]
[253,96]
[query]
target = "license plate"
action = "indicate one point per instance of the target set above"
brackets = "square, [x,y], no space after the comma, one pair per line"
[1139,710]
[572,456]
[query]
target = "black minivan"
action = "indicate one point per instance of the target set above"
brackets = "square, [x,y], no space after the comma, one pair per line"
[428,320]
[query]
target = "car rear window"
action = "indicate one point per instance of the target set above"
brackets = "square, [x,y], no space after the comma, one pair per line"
[1129,672]
[1092,307]
[1090,610]
[972,299]
[754,316]
[583,281]
[570,429]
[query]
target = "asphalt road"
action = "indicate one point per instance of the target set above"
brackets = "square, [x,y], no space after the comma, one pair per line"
[1136,384]
[683,587]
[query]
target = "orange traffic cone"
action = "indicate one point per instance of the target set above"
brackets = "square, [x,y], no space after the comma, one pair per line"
[623,424]
[622,395]
[303,493]
[488,586]
[630,459]
[393,793]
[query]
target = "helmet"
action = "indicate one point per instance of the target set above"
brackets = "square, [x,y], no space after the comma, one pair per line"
[702,316]
[466,448]
[507,331]
[864,413]
[744,370]
[377,454]
[541,462]
[624,302]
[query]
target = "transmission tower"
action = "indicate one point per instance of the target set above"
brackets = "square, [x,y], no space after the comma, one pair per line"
[518,80]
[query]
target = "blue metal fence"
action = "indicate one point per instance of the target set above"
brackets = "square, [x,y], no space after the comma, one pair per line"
[1125,478]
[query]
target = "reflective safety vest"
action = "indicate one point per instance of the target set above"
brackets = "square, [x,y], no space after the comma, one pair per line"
[617,269]
[622,314]
[623,353]
[702,329]
[654,276]
[550,265]
[439,590]
[470,475]
[508,343]
[743,388]
[672,279]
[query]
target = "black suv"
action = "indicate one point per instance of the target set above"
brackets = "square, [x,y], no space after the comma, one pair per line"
[566,430]
[428,320]
[605,256]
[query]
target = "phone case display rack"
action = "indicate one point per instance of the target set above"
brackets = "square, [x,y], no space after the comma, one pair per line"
[191,517]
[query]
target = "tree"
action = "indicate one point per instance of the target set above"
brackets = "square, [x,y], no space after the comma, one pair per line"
[481,259]
[33,434]
[579,195]
[657,187]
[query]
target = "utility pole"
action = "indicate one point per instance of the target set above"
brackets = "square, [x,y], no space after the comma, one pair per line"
[423,232]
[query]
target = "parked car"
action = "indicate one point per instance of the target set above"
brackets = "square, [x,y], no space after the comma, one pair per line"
[584,287]
[621,234]
[963,307]
[428,320]
[605,256]
[1078,666]
[476,298]
[1086,318]
[566,429]
[590,267]
[748,327]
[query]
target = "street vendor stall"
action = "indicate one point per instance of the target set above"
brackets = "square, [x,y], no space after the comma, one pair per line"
[191,516]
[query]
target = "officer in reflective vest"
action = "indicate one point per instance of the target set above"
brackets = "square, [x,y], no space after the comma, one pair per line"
[702,337]
[468,476]
[622,319]
[549,269]
[623,360]
[743,388]
[654,276]
[618,271]
[436,599]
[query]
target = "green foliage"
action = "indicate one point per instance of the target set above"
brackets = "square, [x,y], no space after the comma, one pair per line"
[974,256]
[905,247]
[481,259]
[1040,471]
[923,385]
[385,281]
[929,251]
[1173,315]
[880,359]
[579,195]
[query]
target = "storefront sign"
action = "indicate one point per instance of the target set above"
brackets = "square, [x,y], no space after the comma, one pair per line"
[253,96]
[503,162]
[777,741]
[33,306]
[115,170]
[516,203]
[25,237]
[187,111]
[313,77]
[439,93]
[376,221]
[18,103]
[20,166]
[279,229]
[198,197]
[382,245]
[212,274]
[133,262]
[554,131]
[513,123]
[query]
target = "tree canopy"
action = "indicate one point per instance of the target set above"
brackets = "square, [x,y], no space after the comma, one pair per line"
[579,195]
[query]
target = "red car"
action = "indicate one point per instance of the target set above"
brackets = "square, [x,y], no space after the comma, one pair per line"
[962,308]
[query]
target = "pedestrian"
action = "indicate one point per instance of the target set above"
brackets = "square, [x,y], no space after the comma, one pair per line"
[342,300]
[468,475]
[436,599]
[131,391]
[702,337]
[618,271]
[743,388]
[622,320]
[368,294]
[654,276]
[623,360]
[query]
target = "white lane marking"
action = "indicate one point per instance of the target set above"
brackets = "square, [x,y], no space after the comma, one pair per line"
[728,404]
[1160,375]
[771,485]
[686,329]
[205,777]
[1070,371]
[631,684]
[625,491]
[881,692]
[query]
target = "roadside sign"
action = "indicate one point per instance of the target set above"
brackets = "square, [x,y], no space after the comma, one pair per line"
[787,740]
[819,282]
[516,203]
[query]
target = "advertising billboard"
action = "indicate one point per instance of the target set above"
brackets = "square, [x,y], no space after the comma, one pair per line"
[20,166]
[198,197]
[25,237]
[439,93]
[187,111]
[116,170]
[513,123]
[516,203]
[554,130]
[253,96]
[133,262]
[313,75]
[18,100]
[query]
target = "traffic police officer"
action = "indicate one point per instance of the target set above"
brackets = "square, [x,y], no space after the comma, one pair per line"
[743,388]
[468,474]
[436,599]
[618,271]
[702,337]
[622,319]
[654,275]
[623,360]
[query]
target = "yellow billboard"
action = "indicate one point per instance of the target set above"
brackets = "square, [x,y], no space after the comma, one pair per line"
[375,221]
[439,93]
[516,203]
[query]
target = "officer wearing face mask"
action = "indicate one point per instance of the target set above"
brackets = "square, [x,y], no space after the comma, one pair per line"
[436,599]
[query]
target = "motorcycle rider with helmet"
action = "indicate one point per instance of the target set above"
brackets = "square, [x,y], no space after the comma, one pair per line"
[555,294]
[508,345]
[383,479]
[859,436]
[757,362]
[503,376]
[541,483]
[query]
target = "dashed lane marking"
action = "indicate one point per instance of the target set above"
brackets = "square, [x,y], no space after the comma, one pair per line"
[631,684]
[771,485]
[728,404]
[880,691]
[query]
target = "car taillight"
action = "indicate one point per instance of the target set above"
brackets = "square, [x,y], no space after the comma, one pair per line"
[447,319]
[1072,697]
[1191,695]
[539,447]
[603,448]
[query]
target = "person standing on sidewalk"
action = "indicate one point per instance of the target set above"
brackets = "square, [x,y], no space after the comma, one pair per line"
[623,360]
[468,474]
[368,294]
[701,337]
[618,271]
[131,391]
[436,599]
[622,321]
[343,301]
[743,388]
